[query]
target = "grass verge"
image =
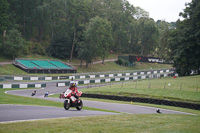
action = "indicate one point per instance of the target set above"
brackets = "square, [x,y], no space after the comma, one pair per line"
[12,99]
[184,89]
[139,123]
[112,66]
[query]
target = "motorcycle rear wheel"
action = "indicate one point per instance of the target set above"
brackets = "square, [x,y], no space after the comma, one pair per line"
[66,105]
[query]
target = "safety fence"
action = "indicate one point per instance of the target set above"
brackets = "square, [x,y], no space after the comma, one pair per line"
[144,100]
[116,79]
[22,85]
[90,76]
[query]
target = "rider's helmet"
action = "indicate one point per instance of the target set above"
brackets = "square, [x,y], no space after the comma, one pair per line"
[72,84]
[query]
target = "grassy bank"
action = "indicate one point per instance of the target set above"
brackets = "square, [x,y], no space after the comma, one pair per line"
[109,66]
[184,89]
[112,66]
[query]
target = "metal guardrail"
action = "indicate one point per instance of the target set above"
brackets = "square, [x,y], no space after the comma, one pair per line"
[85,75]
[22,85]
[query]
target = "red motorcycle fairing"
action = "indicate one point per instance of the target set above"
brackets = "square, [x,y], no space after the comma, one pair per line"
[79,93]
[71,100]
[73,93]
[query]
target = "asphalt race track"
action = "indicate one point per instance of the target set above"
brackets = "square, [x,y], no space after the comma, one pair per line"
[9,113]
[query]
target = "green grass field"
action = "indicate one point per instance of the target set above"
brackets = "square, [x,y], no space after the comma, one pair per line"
[111,66]
[140,123]
[185,89]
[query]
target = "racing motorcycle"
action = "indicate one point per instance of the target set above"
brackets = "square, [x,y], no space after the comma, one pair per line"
[71,101]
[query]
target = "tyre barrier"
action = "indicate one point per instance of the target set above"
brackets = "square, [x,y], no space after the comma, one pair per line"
[145,100]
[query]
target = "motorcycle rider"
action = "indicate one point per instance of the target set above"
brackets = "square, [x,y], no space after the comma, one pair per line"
[74,89]
[33,93]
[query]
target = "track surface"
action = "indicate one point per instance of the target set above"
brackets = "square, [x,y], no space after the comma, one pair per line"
[21,112]
[10,113]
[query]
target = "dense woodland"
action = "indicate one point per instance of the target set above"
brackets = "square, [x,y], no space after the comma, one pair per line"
[87,29]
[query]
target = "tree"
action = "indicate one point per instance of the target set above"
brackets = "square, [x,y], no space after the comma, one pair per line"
[78,14]
[122,20]
[140,13]
[85,52]
[40,21]
[60,46]
[163,49]
[23,13]
[14,44]
[99,35]
[54,15]
[148,35]
[185,40]
[96,41]
[4,18]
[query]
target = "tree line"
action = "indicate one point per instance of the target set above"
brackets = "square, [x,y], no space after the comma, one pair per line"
[86,29]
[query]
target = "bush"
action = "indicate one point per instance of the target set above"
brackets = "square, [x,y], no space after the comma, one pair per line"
[119,61]
[125,62]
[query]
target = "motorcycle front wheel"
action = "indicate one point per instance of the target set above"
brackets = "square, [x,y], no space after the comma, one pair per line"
[79,105]
[66,105]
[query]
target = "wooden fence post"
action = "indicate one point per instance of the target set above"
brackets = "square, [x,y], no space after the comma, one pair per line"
[136,84]
[165,85]
[181,86]
[149,85]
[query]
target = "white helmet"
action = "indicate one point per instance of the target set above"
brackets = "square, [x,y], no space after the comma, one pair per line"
[72,84]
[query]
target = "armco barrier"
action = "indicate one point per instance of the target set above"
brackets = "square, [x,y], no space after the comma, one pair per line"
[145,100]
[114,79]
[22,85]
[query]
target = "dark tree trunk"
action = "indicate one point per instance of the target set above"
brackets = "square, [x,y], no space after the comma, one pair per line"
[74,42]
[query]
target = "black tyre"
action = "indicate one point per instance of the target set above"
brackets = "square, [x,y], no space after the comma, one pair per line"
[79,105]
[66,105]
